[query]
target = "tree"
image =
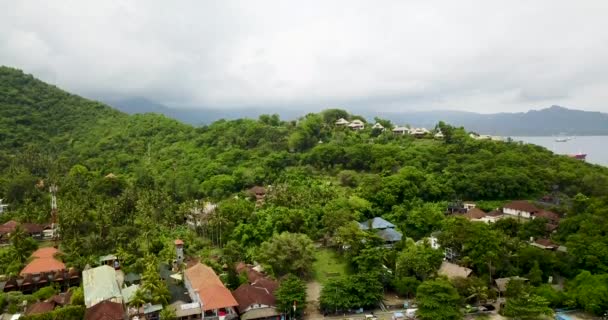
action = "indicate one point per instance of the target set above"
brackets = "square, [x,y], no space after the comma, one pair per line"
[288,253]
[350,292]
[168,314]
[419,260]
[535,275]
[291,291]
[438,299]
[406,286]
[527,307]
[22,244]
[590,292]
[77,296]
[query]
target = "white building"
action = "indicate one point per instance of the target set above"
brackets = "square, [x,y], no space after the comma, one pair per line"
[520,209]
[401,130]
[419,132]
[342,122]
[378,126]
[2,206]
[357,125]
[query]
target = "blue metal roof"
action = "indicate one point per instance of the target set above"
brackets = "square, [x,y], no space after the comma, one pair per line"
[376,223]
[389,235]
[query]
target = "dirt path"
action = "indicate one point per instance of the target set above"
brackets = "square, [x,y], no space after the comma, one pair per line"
[313,291]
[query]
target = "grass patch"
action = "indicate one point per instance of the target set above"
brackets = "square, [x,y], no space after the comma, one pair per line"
[328,265]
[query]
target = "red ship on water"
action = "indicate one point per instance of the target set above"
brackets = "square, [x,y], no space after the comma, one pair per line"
[579,156]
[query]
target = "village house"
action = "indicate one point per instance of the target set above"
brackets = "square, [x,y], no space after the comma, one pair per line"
[42,270]
[105,310]
[401,130]
[419,132]
[524,209]
[3,207]
[342,122]
[357,125]
[545,244]
[438,135]
[378,126]
[256,297]
[99,285]
[520,209]
[34,230]
[207,290]
[452,270]
[383,229]
[48,305]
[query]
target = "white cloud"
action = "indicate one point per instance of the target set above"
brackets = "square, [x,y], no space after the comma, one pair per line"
[475,55]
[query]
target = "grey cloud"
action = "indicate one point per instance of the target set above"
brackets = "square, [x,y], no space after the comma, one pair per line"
[482,56]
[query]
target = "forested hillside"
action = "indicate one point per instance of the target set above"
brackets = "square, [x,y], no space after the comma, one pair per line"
[127,183]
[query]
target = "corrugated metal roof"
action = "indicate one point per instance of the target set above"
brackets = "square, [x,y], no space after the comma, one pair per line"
[100,284]
[390,235]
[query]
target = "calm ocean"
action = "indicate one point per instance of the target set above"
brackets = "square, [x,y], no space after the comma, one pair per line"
[596,147]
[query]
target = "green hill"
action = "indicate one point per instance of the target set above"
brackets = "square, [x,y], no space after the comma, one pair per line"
[319,178]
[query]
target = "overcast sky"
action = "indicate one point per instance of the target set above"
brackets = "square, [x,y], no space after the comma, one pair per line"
[484,56]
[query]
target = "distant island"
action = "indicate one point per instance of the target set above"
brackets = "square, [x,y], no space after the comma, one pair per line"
[555,120]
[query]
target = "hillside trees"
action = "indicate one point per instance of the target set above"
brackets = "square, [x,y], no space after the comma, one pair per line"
[287,253]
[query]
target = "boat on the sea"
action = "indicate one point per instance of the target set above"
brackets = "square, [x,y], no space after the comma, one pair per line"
[562,140]
[579,156]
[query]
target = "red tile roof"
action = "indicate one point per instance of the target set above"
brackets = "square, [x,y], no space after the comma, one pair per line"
[40,307]
[213,293]
[43,265]
[48,252]
[105,310]
[521,205]
[247,294]
[178,242]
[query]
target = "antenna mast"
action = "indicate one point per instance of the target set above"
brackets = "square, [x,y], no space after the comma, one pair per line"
[53,190]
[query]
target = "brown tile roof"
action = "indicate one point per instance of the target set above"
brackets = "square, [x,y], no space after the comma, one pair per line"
[178,242]
[211,290]
[546,243]
[549,215]
[40,307]
[267,284]
[33,227]
[474,213]
[521,205]
[252,275]
[105,310]
[247,294]
[9,226]
[40,265]
[495,213]
[62,299]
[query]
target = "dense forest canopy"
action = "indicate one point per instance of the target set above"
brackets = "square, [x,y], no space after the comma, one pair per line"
[128,183]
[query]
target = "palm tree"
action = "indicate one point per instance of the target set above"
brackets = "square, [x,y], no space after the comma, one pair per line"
[167,314]
[138,299]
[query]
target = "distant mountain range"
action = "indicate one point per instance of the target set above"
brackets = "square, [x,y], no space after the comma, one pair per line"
[554,120]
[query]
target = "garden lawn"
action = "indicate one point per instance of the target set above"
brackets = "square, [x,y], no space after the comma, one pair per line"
[328,265]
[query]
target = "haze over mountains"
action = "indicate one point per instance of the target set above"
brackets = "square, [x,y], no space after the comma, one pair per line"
[554,120]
